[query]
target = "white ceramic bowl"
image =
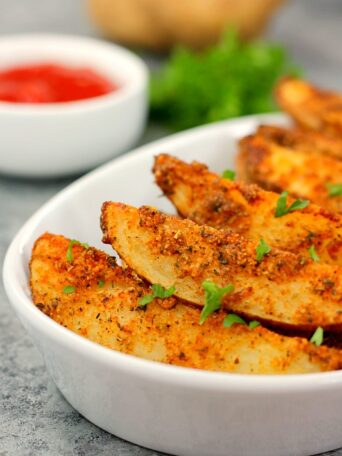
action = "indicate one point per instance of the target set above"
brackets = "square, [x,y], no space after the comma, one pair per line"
[172,409]
[41,140]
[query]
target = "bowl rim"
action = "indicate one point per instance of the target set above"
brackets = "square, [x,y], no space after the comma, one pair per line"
[128,90]
[147,369]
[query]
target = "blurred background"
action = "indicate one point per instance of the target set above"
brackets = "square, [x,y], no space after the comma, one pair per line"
[310,29]
[34,418]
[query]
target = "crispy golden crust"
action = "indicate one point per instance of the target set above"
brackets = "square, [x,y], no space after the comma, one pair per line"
[303,139]
[311,106]
[110,316]
[278,168]
[282,289]
[207,199]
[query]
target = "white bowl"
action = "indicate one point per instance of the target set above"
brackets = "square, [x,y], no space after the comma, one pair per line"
[171,409]
[54,139]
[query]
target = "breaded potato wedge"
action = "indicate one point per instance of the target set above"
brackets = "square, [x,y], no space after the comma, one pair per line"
[278,168]
[303,139]
[208,199]
[282,289]
[104,308]
[311,106]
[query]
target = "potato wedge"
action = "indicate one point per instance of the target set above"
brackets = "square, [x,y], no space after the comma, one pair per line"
[311,106]
[303,139]
[278,168]
[283,289]
[104,308]
[207,199]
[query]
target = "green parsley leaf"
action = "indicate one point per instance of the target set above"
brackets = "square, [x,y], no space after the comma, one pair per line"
[68,289]
[317,337]
[262,249]
[229,79]
[229,174]
[282,209]
[232,319]
[69,255]
[334,189]
[161,292]
[158,292]
[313,253]
[253,324]
[101,283]
[213,297]
[298,205]
[145,300]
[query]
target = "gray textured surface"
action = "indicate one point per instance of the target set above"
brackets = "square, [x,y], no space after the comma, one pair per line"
[34,418]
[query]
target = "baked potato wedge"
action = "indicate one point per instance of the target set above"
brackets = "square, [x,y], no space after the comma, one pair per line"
[208,199]
[281,289]
[279,168]
[104,308]
[304,140]
[311,106]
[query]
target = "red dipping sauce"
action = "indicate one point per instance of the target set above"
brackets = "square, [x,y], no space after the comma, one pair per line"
[52,83]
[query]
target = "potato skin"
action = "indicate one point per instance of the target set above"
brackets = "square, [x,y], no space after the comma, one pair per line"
[311,106]
[208,199]
[283,289]
[279,168]
[303,139]
[166,331]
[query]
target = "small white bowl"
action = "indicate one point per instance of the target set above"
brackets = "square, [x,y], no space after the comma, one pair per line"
[55,139]
[168,408]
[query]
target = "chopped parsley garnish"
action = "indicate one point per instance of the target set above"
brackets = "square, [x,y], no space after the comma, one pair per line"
[231,319]
[253,324]
[69,255]
[229,174]
[282,209]
[317,337]
[101,283]
[68,289]
[158,291]
[262,249]
[213,297]
[313,253]
[334,189]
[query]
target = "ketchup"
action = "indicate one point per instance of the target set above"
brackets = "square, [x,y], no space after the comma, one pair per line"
[51,83]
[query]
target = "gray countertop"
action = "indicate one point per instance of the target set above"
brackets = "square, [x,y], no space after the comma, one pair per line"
[34,417]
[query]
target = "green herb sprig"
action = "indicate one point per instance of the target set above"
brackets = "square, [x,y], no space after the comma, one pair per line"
[158,291]
[69,254]
[69,289]
[253,324]
[334,189]
[230,79]
[229,174]
[313,254]
[232,319]
[213,298]
[282,209]
[318,336]
[262,249]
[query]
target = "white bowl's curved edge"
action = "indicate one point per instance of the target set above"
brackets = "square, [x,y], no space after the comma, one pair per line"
[186,377]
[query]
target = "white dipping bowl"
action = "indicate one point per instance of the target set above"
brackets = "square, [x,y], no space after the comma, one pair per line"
[172,409]
[57,139]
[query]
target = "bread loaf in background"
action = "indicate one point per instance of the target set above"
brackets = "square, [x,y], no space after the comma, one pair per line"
[160,24]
